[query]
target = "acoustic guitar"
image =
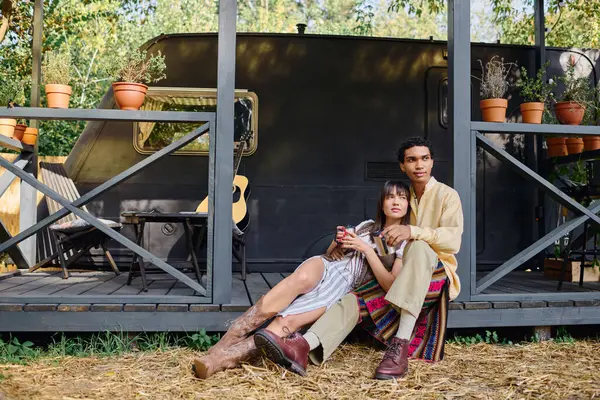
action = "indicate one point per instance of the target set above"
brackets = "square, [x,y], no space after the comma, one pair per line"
[241,189]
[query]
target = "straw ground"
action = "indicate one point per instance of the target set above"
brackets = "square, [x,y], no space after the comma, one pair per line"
[483,371]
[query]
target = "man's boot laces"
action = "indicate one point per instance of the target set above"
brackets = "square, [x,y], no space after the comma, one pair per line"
[394,350]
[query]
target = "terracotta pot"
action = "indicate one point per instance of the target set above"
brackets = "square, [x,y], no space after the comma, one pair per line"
[574,145]
[129,96]
[569,112]
[19,131]
[557,146]
[58,96]
[591,143]
[7,126]
[532,112]
[493,110]
[30,136]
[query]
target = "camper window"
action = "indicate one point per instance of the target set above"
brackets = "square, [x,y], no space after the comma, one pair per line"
[149,137]
[443,103]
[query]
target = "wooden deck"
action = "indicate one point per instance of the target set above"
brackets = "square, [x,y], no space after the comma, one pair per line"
[95,301]
[52,286]
[535,282]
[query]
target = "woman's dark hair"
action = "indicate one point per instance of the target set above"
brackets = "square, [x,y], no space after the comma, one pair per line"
[388,188]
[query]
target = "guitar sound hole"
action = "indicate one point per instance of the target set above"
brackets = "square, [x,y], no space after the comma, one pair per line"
[236,195]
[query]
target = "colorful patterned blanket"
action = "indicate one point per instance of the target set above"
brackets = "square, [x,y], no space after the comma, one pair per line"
[381,320]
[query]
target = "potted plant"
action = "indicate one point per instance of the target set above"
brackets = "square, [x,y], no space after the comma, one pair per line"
[556,144]
[19,130]
[134,71]
[11,95]
[56,72]
[494,86]
[592,142]
[535,93]
[576,97]
[574,144]
[30,136]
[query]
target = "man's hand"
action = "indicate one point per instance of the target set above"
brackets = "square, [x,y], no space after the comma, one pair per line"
[396,234]
[353,242]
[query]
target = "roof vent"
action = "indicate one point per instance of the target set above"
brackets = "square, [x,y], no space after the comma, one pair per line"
[383,171]
[301,28]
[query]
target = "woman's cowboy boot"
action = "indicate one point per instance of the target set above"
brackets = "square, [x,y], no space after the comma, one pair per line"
[242,326]
[223,359]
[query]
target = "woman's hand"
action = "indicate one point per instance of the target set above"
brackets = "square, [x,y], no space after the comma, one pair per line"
[353,242]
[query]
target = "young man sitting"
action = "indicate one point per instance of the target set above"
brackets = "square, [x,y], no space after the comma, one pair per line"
[415,306]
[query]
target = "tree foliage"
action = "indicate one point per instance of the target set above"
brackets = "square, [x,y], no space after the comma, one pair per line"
[98,32]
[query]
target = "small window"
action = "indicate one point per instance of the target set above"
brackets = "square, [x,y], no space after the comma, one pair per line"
[149,137]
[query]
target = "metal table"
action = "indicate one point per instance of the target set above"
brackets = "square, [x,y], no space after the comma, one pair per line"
[190,221]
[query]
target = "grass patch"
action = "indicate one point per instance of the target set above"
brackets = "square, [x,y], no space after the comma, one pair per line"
[509,337]
[110,344]
[489,338]
[13,351]
[105,344]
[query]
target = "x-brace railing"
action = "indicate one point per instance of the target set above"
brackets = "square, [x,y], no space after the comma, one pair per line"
[6,180]
[83,200]
[548,239]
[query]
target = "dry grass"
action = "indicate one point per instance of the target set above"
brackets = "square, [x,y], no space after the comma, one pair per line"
[9,202]
[543,370]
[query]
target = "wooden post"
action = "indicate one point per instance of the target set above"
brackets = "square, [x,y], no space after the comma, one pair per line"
[542,333]
[464,169]
[28,208]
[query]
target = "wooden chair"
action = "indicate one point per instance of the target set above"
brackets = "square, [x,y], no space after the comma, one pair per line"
[73,236]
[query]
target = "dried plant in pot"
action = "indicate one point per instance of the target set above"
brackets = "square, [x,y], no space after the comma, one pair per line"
[134,71]
[494,85]
[11,95]
[56,73]
[577,96]
[535,93]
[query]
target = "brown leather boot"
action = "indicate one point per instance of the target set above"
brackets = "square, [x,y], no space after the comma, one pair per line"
[224,359]
[242,326]
[395,360]
[291,352]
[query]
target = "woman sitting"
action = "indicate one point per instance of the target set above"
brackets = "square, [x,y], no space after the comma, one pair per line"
[301,298]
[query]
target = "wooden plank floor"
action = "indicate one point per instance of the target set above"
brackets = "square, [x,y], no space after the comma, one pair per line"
[244,294]
[535,282]
[53,286]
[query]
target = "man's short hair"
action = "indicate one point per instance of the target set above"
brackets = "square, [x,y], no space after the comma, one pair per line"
[414,141]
